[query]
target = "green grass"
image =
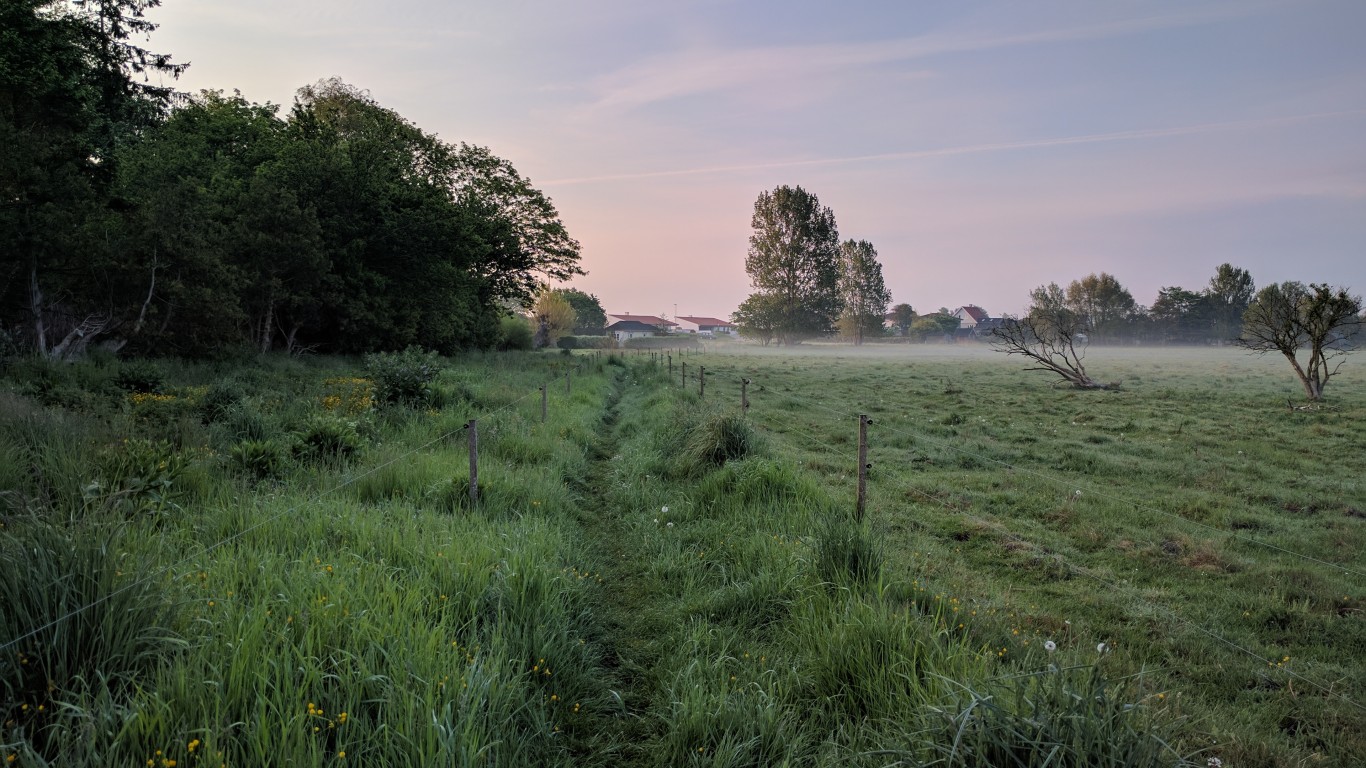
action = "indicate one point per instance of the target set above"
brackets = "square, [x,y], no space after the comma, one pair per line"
[651,578]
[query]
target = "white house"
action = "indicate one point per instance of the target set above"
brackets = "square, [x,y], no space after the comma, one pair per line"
[658,323]
[630,329]
[969,316]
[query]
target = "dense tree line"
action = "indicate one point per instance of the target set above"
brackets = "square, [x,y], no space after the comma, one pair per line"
[191,225]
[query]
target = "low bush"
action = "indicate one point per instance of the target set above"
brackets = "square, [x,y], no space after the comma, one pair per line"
[585,342]
[135,477]
[403,378]
[140,376]
[514,333]
[219,400]
[261,459]
[329,437]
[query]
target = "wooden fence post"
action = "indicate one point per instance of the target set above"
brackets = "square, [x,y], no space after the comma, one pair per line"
[545,397]
[701,380]
[685,374]
[567,389]
[863,465]
[474,461]
[671,365]
[744,398]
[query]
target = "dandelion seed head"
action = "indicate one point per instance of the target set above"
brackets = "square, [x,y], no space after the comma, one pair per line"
[1050,646]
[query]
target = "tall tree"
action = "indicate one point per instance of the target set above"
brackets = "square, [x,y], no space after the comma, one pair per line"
[67,95]
[1230,292]
[544,248]
[903,315]
[794,258]
[863,293]
[1101,304]
[552,315]
[1287,317]
[590,317]
[758,317]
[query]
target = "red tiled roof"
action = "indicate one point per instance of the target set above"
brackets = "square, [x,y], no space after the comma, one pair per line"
[975,312]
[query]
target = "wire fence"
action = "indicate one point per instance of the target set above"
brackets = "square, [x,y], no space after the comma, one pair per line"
[159,573]
[747,402]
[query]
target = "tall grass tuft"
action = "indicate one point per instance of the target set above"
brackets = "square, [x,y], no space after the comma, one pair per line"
[1071,718]
[717,439]
[76,618]
[847,554]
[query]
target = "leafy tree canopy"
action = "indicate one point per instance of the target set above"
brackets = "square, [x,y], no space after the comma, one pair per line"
[794,259]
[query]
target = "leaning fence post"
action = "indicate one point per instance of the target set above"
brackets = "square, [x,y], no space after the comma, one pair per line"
[863,465]
[545,397]
[474,460]
[744,398]
[701,380]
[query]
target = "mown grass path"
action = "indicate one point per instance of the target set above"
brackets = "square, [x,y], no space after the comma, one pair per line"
[631,632]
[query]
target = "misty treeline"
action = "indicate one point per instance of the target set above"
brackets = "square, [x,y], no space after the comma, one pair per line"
[1107,312]
[132,216]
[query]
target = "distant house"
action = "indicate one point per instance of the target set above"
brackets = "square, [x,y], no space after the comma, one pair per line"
[969,316]
[622,330]
[658,323]
[707,326]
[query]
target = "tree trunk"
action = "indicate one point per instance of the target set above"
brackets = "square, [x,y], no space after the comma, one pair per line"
[268,325]
[35,306]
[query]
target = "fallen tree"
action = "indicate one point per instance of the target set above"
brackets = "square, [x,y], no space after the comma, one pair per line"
[1052,336]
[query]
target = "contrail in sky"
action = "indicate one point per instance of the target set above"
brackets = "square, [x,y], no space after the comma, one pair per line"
[1092,138]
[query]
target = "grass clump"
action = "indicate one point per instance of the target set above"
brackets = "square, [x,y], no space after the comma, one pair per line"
[718,438]
[79,620]
[846,553]
[1071,718]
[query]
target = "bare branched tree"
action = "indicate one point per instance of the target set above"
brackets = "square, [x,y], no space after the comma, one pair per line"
[1051,335]
[1288,317]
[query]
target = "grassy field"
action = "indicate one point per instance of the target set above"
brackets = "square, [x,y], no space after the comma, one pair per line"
[263,564]
[1192,522]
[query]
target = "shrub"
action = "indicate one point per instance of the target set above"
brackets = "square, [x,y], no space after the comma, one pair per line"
[260,458]
[140,376]
[515,333]
[136,476]
[403,377]
[329,436]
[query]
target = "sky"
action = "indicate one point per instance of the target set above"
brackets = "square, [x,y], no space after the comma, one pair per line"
[984,147]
